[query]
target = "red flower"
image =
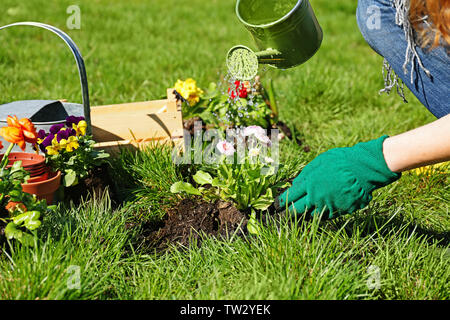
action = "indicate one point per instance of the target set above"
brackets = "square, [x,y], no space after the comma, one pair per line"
[240,90]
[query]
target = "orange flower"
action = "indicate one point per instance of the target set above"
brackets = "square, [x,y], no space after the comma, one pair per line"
[29,131]
[13,135]
[13,121]
[19,131]
[13,206]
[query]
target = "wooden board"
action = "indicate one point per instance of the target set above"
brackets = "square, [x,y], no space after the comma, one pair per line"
[138,124]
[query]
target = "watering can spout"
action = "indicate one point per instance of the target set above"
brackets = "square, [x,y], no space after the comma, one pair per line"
[286,33]
[243,63]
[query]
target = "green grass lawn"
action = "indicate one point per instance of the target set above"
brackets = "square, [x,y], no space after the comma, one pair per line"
[134,50]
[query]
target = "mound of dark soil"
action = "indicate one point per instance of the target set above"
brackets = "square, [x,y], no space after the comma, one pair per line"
[191,218]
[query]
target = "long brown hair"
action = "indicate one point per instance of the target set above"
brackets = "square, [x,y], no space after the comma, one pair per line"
[438,27]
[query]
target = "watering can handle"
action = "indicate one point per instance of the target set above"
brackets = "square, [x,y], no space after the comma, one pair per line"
[79,59]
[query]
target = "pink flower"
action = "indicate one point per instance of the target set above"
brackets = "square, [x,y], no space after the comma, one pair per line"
[225,148]
[259,133]
[254,130]
[264,139]
[269,160]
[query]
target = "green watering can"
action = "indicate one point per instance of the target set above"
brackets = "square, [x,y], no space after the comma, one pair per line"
[286,32]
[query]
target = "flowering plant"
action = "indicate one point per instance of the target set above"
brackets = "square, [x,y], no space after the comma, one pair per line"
[241,104]
[189,91]
[20,211]
[249,182]
[68,149]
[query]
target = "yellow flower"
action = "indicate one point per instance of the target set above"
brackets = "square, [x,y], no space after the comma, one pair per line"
[441,168]
[189,90]
[54,148]
[70,144]
[80,128]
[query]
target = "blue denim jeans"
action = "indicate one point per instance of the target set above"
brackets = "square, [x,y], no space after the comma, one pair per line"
[376,20]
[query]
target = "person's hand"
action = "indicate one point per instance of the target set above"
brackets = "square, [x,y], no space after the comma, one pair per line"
[339,181]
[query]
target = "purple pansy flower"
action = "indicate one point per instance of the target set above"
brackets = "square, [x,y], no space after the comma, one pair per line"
[65,134]
[73,120]
[56,127]
[47,142]
[41,134]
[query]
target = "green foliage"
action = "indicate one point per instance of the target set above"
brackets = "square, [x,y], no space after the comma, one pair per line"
[181,186]
[144,178]
[75,165]
[91,238]
[11,180]
[28,220]
[249,184]
[12,231]
[217,108]
[23,217]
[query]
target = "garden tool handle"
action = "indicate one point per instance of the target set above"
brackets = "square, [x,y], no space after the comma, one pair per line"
[79,59]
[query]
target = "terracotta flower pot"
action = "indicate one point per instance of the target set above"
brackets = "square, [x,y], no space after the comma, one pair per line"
[44,189]
[42,177]
[31,162]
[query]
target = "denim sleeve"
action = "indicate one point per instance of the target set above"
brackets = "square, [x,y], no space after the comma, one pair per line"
[376,20]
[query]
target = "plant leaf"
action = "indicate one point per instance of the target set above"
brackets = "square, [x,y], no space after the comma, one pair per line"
[202,178]
[263,202]
[252,225]
[216,182]
[11,231]
[29,219]
[181,186]
[70,178]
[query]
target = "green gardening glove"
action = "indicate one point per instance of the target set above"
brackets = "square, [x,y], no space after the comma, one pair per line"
[340,180]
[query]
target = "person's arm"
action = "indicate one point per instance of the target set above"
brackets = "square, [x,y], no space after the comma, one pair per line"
[342,180]
[423,146]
